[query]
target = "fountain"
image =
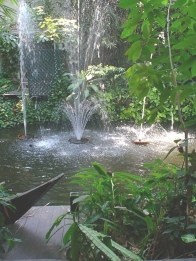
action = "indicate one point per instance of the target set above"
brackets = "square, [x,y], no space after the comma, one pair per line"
[28,163]
[141,132]
[25,45]
[81,109]
[79,115]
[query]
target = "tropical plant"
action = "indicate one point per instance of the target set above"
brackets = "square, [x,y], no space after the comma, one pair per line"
[149,213]
[6,11]
[162,53]
[5,233]
[9,52]
[54,29]
[101,217]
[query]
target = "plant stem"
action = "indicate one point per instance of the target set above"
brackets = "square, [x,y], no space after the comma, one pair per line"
[189,188]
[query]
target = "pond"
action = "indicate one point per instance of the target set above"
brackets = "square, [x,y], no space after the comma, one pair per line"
[28,163]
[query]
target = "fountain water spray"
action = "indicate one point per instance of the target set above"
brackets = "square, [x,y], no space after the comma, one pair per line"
[81,109]
[79,115]
[25,44]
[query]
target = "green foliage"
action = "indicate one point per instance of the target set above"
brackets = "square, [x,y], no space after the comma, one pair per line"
[89,244]
[10,109]
[148,212]
[5,233]
[150,33]
[9,52]
[6,11]
[85,81]
[54,29]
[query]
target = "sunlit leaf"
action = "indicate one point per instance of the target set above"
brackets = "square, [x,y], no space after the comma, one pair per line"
[188,238]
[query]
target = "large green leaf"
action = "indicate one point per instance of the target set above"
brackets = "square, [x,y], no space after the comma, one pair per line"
[137,53]
[74,241]
[126,253]
[193,69]
[127,32]
[160,18]
[80,199]
[67,235]
[165,95]
[186,94]
[93,237]
[100,169]
[56,224]
[127,4]
[188,41]
[188,238]
[187,64]
[190,123]
[133,48]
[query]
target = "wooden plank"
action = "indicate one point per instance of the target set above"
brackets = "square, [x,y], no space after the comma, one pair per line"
[56,241]
[31,229]
[43,218]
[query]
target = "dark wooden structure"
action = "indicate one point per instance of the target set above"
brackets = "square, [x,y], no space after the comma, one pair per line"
[24,201]
[31,228]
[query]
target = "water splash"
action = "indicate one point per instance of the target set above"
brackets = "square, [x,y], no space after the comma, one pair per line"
[25,31]
[81,55]
[79,115]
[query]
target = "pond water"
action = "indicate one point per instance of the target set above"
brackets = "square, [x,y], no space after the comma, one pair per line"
[28,163]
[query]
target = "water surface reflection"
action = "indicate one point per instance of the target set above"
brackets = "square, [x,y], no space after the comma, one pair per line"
[28,163]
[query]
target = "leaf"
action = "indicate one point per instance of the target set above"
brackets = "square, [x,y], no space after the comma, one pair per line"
[186,94]
[67,235]
[149,222]
[133,38]
[94,87]
[130,52]
[146,30]
[168,231]
[193,69]
[125,252]
[190,123]
[99,169]
[160,18]
[93,218]
[164,95]
[189,40]
[187,64]
[127,4]
[74,241]
[127,32]
[192,226]
[137,53]
[93,237]
[179,3]
[73,86]
[188,238]
[170,151]
[55,224]
[81,198]
[86,93]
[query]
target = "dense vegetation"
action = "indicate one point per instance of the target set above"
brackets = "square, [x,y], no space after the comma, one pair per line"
[154,217]
[120,99]
[123,216]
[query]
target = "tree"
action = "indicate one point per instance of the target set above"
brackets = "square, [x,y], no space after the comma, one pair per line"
[162,34]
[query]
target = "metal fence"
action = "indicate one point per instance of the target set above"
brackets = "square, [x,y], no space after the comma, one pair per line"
[43,67]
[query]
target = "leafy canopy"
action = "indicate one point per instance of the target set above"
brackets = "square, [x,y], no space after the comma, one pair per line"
[152,27]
